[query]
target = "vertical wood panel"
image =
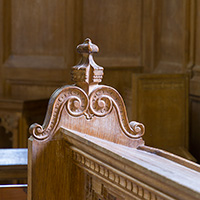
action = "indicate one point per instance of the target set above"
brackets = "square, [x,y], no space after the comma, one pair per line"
[6,25]
[116,27]
[195,86]
[170,41]
[36,49]
[197,39]
[148,31]
[195,81]
[171,30]
[38,27]
[1,47]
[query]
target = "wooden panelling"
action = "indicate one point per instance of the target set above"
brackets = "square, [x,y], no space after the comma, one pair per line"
[195,81]
[197,39]
[148,35]
[38,38]
[1,47]
[26,89]
[117,27]
[15,118]
[161,103]
[122,80]
[38,27]
[36,42]
[170,37]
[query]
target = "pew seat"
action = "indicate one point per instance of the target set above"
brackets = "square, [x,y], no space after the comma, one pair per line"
[13,164]
[13,192]
[13,169]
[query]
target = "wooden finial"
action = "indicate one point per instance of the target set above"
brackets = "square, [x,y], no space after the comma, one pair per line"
[87,47]
[87,74]
[89,108]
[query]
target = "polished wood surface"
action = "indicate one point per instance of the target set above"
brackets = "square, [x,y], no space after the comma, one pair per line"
[10,192]
[94,104]
[87,149]
[92,167]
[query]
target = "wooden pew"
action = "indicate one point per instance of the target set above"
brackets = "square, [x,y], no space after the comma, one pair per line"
[13,192]
[13,164]
[87,149]
[13,168]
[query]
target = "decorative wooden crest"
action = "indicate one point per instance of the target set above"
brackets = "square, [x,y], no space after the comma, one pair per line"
[88,107]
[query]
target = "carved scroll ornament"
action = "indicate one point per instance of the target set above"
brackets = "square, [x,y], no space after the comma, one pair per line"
[86,98]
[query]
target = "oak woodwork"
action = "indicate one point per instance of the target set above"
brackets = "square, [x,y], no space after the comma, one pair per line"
[93,103]
[160,101]
[87,149]
[160,36]
[36,47]
[16,115]
[125,51]
[10,192]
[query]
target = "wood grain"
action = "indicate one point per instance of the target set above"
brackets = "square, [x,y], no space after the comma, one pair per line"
[37,41]
[10,192]
[117,50]
[86,149]
[160,101]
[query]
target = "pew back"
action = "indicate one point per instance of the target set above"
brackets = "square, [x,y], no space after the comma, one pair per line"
[87,149]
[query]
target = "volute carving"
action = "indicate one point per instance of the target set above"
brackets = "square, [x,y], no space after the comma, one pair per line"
[86,98]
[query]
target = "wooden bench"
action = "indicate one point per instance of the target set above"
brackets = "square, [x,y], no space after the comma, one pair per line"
[13,168]
[13,192]
[13,164]
[87,149]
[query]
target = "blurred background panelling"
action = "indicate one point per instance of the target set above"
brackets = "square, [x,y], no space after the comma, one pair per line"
[136,37]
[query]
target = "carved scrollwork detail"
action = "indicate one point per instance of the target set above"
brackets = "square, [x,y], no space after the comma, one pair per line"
[37,131]
[137,127]
[73,98]
[77,105]
[102,101]
[100,104]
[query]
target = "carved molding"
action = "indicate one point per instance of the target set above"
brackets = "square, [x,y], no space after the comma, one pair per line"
[115,177]
[75,101]
[9,121]
[100,103]
[92,194]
